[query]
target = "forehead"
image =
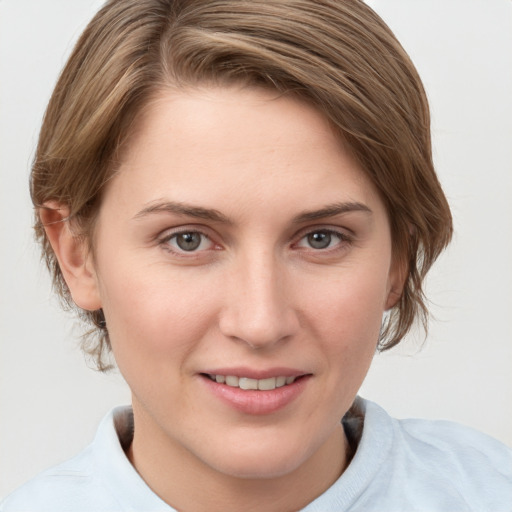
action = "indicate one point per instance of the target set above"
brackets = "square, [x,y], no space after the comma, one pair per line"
[236,117]
[213,144]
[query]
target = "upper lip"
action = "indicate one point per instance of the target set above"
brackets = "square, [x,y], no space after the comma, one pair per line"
[253,373]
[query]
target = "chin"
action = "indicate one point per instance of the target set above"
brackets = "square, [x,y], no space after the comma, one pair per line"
[258,468]
[259,460]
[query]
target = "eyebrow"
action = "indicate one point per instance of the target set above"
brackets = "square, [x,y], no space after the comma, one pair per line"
[211,214]
[331,211]
[183,209]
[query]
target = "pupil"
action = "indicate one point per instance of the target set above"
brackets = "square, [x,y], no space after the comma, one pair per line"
[319,240]
[188,241]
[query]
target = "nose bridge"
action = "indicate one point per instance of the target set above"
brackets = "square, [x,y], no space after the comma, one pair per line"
[258,309]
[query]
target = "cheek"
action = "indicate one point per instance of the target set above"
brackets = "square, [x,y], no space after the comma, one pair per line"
[348,318]
[354,302]
[151,315]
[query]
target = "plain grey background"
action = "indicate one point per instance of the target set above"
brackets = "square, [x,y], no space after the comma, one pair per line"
[51,403]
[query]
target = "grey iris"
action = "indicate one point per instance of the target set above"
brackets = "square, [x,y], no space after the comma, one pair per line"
[188,241]
[319,239]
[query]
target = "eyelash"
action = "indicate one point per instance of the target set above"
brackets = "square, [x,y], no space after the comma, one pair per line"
[164,242]
[343,240]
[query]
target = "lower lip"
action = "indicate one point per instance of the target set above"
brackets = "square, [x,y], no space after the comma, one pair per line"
[257,402]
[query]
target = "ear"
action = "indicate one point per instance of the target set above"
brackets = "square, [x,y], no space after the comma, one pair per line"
[397,277]
[75,261]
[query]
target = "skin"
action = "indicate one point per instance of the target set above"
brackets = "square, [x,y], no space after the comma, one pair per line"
[255,293]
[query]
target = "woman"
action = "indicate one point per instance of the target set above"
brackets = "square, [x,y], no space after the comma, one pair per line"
[234,194]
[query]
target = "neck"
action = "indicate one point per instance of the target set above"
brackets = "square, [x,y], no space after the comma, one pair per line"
[185,482]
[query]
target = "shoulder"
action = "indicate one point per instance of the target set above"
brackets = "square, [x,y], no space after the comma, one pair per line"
[467,455]
[68,486]
[456,444]
[420,465]
[99,479]
[448,464]
[82,483]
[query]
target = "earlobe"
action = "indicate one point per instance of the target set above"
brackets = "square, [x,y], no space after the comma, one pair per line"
[74,259]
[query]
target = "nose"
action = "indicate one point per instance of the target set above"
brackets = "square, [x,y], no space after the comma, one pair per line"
[258,306]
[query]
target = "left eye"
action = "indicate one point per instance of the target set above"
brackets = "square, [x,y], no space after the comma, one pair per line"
[189,241]
[322,239]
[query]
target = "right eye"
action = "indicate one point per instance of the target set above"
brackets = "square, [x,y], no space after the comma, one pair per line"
[187,241]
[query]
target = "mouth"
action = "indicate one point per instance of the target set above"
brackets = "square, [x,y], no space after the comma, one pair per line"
[247,383]
[256,393]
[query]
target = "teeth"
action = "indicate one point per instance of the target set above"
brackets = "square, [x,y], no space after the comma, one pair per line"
[247,383]
[280,382]
[267,384]
[231,381]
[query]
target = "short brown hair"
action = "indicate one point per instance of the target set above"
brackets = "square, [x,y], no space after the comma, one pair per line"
[338,55]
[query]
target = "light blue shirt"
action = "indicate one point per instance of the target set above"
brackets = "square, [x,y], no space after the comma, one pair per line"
[399,465]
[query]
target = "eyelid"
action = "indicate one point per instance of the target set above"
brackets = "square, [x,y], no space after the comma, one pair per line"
[343,232]
[344,238]
[165,236]
[189,228]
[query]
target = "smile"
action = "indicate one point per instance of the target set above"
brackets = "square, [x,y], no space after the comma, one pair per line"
[274,390]
[247,383]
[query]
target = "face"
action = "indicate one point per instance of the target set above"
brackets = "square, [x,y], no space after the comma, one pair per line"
[240,246]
